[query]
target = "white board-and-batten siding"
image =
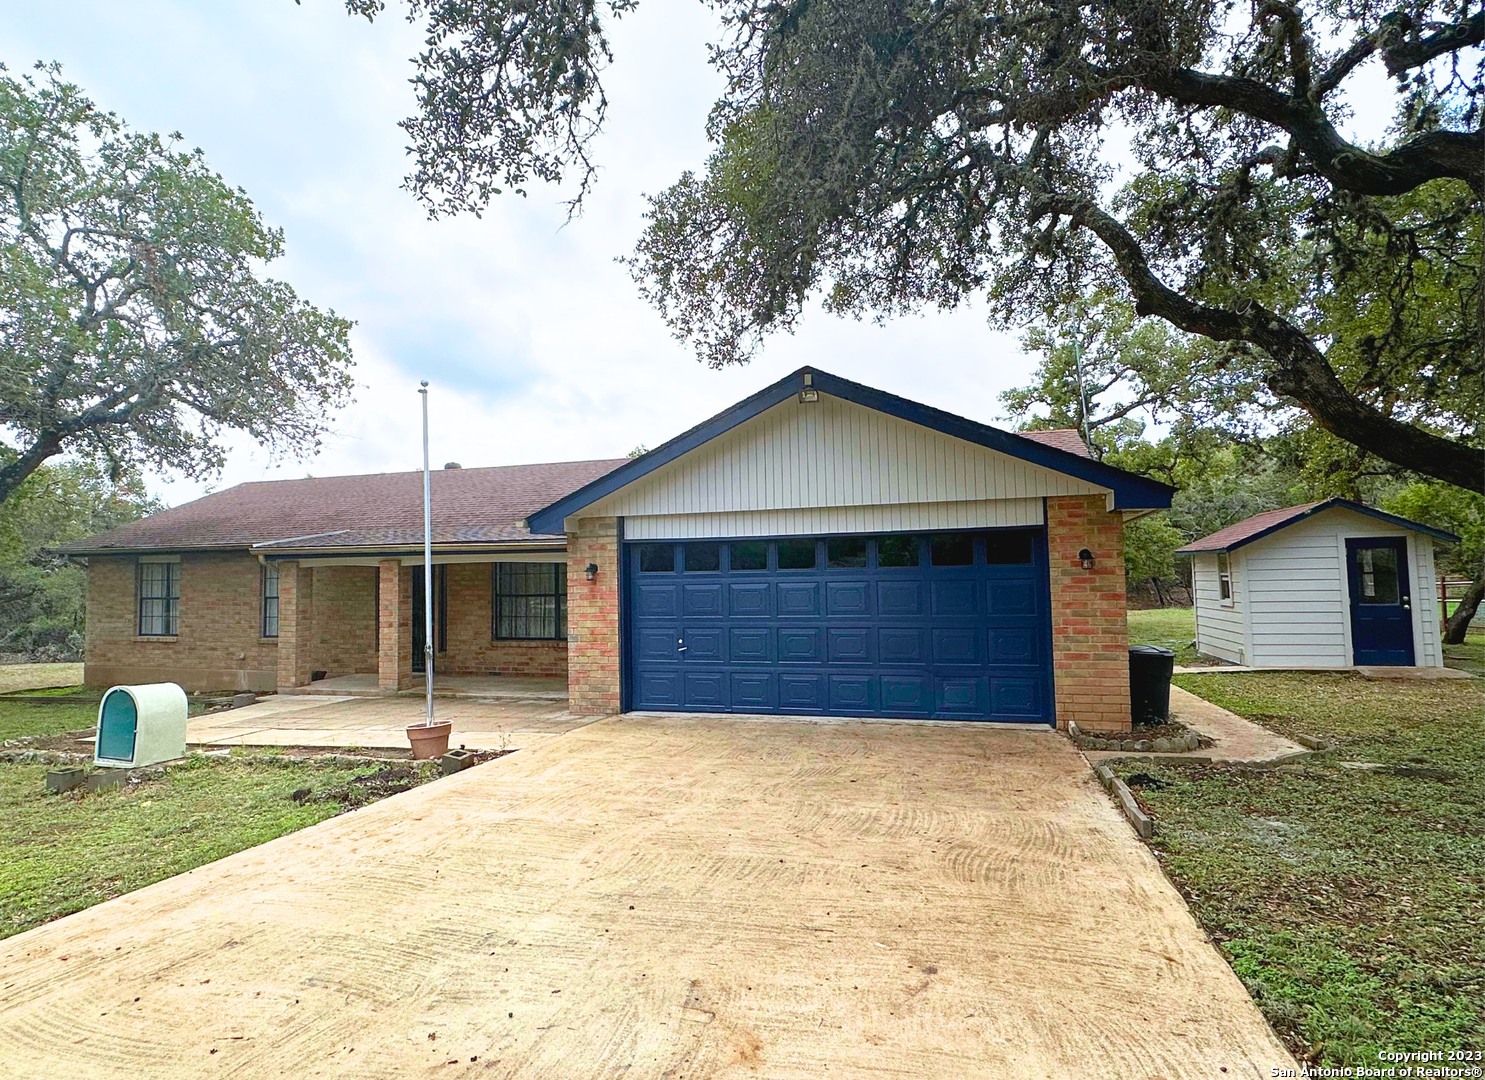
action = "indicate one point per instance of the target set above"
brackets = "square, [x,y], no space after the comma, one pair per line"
[833,466]
[1295,603]
[1220,627]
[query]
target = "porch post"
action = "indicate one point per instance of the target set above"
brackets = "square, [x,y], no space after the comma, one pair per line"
[295,601]
[394,622]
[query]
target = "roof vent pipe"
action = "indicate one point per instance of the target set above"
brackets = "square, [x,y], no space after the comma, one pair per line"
[452,465]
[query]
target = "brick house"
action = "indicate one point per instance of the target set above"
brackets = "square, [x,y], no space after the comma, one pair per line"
[819,548]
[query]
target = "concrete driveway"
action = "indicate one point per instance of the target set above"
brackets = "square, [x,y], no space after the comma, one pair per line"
[651,897]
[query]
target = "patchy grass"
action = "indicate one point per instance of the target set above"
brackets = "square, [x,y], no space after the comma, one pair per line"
[1469,655]
[28,719]
[1348,900]
[67,852]
[1170,628]
[37,676]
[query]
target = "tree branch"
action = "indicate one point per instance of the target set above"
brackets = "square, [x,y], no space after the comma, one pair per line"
[1301,372]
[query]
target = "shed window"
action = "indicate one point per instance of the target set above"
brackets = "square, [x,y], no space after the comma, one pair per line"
[897,551]
[159,599]
[952,549]
[270,600]
[846,553]
[797,554]
[702,557]
[530,601]
[750,555]
[1224,577]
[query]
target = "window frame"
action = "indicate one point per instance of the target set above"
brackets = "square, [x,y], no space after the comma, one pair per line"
[558,593]
[1224,579]
[264,598]
[171,599]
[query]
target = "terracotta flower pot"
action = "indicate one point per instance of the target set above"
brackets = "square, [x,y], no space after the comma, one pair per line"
[427,741]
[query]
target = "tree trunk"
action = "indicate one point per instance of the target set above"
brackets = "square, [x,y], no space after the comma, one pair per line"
[1457,624]
[13,474]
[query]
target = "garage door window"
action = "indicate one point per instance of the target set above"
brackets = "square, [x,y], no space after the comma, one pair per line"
[897,551]
[847,553]
[752,555]
[703,557]
[952,549]
[656,559]
[1008,549]
[797,554]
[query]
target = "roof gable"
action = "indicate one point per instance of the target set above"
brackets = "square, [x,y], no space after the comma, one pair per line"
[1271,521]
[1129,491]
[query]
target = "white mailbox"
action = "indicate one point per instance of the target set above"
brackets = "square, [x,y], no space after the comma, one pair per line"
[141,725]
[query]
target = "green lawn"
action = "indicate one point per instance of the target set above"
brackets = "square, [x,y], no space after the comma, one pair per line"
[63,853]
[1470,654]
[1170,628]
[67,852]
[1350,901]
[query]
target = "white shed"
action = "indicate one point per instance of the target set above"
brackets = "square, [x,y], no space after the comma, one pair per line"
[1331,584]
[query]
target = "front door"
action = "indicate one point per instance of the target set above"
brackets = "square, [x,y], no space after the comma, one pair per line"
[419,617]
[1381,607]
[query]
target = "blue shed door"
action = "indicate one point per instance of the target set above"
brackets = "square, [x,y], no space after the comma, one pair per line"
[1381,604]
[951,626]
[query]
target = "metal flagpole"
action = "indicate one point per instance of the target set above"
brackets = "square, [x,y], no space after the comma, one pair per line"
[427,561]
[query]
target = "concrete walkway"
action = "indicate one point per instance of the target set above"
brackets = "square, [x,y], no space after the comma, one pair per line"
[1234,738]
[697,897]
[380,722]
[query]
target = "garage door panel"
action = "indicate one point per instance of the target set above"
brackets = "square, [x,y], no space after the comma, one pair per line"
[902,645]
[657,646]
[703,644]
[754,691]
[849,645]
[801,693]
[1014,645]
[799,598]
[1015,697]
[848,599]
[852,693]
[800,645]
[659,689]
[955,599]
[961,697]
[750,645]
[751,599]
[966,641]
[910,695]
[957,645]
[1011,597]
[701,600]
[901,599]
[705,689]
[657,600]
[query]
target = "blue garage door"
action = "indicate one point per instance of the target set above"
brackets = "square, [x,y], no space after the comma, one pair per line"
[950,626]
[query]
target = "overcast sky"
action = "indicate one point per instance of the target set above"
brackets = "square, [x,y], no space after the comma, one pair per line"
[536,344]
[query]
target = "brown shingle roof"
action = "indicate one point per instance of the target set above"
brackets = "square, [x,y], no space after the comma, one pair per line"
[379,509]
[1066,439]
[1250,529]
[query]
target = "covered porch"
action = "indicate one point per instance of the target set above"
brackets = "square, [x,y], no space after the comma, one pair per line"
[353,625]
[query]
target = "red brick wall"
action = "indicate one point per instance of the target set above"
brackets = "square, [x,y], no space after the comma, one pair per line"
[1090,630]
[593,618]
[344,620]
[218,646]
[471,649]
[394,625]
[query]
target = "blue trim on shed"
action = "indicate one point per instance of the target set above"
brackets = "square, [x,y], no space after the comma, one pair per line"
[1131,491]
[1320,508]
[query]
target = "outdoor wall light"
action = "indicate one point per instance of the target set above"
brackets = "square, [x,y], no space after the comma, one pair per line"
[1086,558]
[591,571]
[809,394]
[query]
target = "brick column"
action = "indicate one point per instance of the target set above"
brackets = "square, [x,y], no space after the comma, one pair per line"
[295,624]
[593,617]
[1090,614]
[394,627]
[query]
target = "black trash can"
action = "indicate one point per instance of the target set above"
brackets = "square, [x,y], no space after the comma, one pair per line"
[1150,669]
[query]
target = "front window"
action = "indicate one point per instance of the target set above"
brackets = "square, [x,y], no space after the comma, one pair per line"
[270,600]
[1224,577]
[159,599]
[530,601]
